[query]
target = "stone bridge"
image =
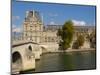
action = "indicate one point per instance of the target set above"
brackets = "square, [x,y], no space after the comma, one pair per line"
[24,55]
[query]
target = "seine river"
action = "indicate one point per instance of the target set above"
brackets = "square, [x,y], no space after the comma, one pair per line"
[53,62]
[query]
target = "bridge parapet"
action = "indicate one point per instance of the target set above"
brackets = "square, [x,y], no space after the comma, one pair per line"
[14,42]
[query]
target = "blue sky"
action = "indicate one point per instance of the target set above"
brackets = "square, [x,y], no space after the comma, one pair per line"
[54,13]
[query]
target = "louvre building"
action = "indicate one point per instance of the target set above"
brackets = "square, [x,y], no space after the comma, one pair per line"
[34,30]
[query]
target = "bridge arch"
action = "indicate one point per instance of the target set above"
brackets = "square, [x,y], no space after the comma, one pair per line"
[17,60]
[44,49]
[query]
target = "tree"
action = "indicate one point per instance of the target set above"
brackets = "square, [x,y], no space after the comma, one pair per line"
[66,34]
[75,45]
[80,40]
[93,39]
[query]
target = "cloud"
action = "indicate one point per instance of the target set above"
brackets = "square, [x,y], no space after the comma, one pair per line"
[15,17]
[52,23]
[79,23]
[16,29]
[13,26]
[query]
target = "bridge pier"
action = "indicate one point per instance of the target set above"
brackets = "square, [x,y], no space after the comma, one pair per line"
[38,54]
[29,63]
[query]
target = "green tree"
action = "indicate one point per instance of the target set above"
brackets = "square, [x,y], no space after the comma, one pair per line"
[66,34]
[80,40]
[93,39]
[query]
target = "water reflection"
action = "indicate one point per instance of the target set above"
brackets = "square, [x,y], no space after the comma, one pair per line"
[67,61]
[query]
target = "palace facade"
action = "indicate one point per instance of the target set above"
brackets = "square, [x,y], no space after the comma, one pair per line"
[34,30]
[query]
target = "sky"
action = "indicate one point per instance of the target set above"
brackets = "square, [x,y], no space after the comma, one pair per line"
[53,13]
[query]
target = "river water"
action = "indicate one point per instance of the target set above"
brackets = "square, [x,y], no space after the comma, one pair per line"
[53,62]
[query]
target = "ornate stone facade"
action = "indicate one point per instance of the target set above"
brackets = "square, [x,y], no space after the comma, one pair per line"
[33,27]
[34,30]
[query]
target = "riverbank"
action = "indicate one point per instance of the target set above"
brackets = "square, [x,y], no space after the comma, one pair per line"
[73,50]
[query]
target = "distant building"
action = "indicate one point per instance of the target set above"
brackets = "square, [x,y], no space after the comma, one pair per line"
[32,27]
[34,30]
